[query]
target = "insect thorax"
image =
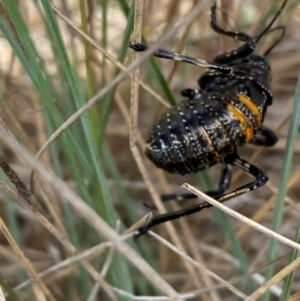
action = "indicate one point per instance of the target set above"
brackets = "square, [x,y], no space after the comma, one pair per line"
[250,76]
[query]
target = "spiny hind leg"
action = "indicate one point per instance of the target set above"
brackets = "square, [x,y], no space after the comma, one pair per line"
[223,185]
[260,180]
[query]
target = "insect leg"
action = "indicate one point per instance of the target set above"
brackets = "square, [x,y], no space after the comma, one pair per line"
[191,93]
[169,55]
[260,179]
[266,138]
[240,52]
[223,185]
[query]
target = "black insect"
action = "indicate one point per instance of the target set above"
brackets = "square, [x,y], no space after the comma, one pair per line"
[209,126]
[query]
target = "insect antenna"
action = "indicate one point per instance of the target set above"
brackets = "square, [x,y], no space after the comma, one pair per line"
[277,41]
[267,29]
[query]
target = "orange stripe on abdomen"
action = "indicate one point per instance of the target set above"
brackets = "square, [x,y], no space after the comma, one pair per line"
[252,107]
[246,124]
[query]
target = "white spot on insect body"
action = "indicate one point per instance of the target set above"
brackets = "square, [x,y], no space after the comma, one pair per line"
[238,161]
[247,165]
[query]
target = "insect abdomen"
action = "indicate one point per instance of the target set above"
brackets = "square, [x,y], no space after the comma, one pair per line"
[197,134]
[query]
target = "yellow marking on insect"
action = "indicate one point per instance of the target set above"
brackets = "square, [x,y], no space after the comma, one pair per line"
[217,155]
[203,133]
[252,107]
[245,122]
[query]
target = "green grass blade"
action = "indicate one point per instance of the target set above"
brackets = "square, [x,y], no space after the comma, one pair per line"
[288,281]
[160,80]
[284,177]
[104,207]
[105,105]
[12,296]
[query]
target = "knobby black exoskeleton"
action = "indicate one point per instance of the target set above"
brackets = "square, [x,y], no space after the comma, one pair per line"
[208,127]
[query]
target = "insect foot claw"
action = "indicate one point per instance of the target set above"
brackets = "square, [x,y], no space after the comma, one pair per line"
[142,230]
[137,47]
